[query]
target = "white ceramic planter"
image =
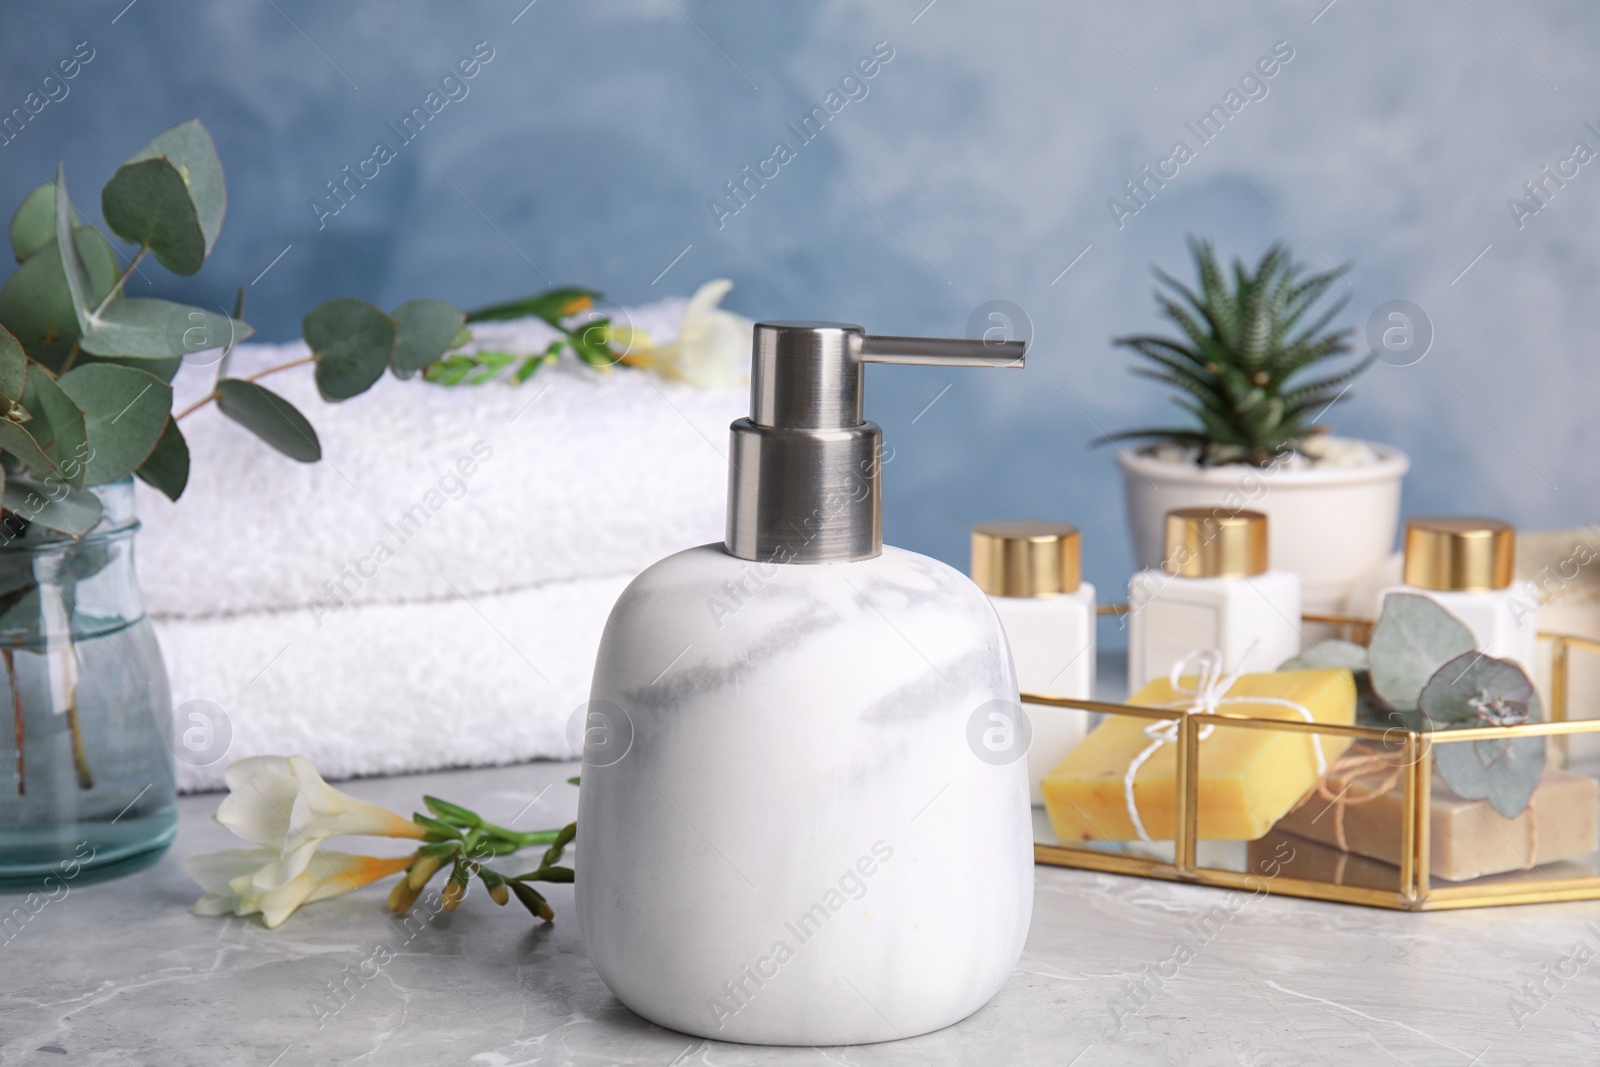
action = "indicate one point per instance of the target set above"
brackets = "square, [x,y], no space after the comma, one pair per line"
[1330,525]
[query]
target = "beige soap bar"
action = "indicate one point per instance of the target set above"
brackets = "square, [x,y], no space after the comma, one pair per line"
[1468,838]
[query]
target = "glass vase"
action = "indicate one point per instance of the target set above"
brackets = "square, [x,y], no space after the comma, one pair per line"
[87,786]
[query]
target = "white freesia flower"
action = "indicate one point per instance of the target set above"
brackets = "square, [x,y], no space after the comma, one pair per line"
[284,806]
[712,350]
[230,880]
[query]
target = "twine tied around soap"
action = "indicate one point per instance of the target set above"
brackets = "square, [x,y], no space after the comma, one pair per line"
[1209,693]
[1337,787]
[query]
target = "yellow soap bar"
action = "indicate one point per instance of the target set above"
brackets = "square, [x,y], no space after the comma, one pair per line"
[1249,779]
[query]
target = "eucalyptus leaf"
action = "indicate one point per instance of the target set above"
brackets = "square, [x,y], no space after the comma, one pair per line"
[139,328]
[165,369]
[79,284]
[1413,637]
[1476,690]
[351,341]
[16,440]
[1471,691]
[1505,773]
[551,306]
[170,197]
[227,351]
[270,417]
[34,224]
[58,425]
[426,330]
[126,411]
[167,469]
[35,304]
[13,367]
[59,507]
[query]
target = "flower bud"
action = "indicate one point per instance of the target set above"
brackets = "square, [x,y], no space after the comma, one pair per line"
[402,896]
[421,871]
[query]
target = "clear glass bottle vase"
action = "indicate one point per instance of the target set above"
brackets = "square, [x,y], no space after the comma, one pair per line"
[87,786]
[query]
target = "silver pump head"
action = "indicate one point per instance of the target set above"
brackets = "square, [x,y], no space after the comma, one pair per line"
[803,478]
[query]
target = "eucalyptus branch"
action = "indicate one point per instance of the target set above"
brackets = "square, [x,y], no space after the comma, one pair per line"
[302,361]
[153,203]
[17,718]
[209,397]
[116,290]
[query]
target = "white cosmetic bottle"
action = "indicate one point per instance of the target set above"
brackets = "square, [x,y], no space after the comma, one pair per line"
[792,827]
[1033,573]
[1214,590]
[1465,565]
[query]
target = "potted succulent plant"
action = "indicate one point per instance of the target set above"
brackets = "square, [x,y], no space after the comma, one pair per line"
[1246,364]
[85,407]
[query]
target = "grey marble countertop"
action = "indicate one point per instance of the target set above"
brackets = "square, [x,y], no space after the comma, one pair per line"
[120,972]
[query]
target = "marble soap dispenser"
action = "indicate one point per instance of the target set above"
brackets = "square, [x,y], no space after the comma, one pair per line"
[795,825]
[1214,590]
[1033,573]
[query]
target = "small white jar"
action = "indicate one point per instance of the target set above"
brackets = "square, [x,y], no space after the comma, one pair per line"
[1465,565]
[1214,589]
[1033,573]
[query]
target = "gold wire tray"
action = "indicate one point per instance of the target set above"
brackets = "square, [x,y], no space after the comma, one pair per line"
[1414,889]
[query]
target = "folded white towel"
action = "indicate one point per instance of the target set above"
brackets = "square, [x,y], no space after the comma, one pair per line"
[426,492]
[386,688]
[432,593]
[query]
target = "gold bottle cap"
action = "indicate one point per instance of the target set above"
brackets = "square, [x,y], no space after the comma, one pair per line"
[1211,543]
[1459,553]
[1026,558]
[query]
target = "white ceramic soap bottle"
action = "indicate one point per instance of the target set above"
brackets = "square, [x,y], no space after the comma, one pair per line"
[808,835]
[1215,589]
[1466,565]
[1033,573]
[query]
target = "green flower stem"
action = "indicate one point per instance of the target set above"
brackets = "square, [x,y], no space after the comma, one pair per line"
[463,840]
[522,840]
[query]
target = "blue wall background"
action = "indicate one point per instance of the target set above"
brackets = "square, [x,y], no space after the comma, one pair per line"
[977,167]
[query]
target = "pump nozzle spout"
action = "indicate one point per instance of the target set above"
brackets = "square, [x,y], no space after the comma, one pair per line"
[944,351]
[803,483]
